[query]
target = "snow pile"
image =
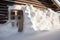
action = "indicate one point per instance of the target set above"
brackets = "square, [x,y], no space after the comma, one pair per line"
[34,20]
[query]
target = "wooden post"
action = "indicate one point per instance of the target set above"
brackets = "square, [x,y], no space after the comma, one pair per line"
[20,21]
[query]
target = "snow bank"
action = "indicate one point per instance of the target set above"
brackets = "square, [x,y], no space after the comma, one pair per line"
[34,20]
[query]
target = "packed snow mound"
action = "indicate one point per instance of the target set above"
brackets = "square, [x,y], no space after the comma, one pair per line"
[41,19]
[34,20]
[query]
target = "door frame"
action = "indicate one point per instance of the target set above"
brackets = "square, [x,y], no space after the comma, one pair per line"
[10,8]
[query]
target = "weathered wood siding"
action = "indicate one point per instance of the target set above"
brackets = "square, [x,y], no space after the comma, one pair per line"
[3,13]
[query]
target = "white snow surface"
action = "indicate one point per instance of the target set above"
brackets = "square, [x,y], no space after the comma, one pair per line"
[38,25]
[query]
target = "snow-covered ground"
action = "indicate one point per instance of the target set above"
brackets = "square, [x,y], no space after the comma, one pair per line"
[41,35]
[38,25]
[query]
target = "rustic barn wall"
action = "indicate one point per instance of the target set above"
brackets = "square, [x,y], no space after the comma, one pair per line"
[3,13]
[37,3]
[40,4]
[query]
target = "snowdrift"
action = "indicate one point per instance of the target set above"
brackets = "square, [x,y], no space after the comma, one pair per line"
[34,20]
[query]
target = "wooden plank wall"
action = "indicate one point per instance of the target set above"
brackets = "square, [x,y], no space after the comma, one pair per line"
[3,13]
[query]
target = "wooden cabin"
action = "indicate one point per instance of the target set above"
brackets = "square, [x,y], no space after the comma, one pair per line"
[14,13]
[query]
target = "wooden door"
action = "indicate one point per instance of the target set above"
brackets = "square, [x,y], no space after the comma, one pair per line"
[18,19]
